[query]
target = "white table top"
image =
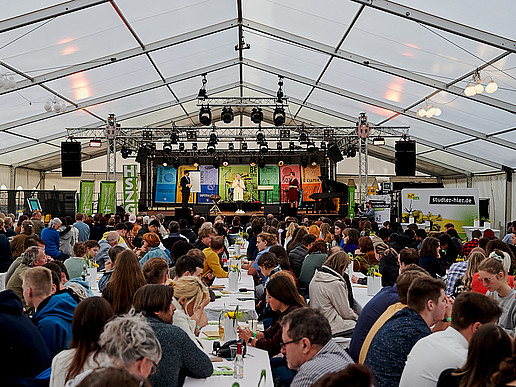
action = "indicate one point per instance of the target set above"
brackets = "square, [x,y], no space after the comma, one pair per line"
[255,360]
[2,281]
[230,301]
[469,229]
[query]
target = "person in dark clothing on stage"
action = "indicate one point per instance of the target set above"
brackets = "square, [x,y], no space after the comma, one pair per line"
[185,189]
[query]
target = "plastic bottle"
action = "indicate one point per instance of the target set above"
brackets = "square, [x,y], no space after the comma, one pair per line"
[238,368]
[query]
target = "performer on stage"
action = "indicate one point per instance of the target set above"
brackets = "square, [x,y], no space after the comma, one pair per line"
[185,189]
[238,193]
[293,190]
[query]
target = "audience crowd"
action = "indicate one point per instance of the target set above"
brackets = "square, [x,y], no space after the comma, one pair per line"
[445,315]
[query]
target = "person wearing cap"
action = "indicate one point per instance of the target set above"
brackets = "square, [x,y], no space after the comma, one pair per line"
[50,236]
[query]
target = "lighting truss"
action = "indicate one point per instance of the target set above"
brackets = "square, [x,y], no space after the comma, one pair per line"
[241,101]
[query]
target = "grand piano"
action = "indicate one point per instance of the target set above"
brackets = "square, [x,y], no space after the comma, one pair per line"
[325,200]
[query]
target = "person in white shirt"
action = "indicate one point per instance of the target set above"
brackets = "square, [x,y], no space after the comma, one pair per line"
[449,348]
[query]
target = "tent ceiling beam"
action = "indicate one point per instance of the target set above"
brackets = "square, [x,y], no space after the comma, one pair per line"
[122,55]
[440,23]
[47,13]
[371,101]
[384,67]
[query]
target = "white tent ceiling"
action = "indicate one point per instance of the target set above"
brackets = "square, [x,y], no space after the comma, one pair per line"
[143,61]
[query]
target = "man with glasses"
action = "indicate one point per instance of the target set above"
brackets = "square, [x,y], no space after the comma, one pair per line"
[309,348]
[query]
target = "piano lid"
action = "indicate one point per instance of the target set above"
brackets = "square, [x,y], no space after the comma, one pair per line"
[329,185]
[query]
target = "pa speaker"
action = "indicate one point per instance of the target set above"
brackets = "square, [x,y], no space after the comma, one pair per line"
[288,211]
[143,154]
[182,213]
[71,159]
[335,153]
[405,158]
[201,209]
[274,209]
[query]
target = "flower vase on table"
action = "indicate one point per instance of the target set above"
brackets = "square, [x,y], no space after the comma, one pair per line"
[228,325]
[374,281]
[233,277]
[91,268]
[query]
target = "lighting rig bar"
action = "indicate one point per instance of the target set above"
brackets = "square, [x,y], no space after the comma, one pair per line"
[241,101]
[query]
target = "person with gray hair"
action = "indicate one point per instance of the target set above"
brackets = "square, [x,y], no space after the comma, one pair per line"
[130,344]
[50,236]
[33,257]
[112,239]
[309,348]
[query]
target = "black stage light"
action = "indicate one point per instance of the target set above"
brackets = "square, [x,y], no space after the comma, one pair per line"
[313,161]
[291,146]
[194,146]
[227,115]
[205,115]
[257,115]
[231,146]
[303,137]
[176,163]
[211,147]
[125,152]
[213,137]
[304,162]
[181,147]
[279,145]
[174,137]
[196,161]
[252,163]
[260,137]
[310,147]
[216,162]
[281,163]
[264,148]
[261,162]
[244,146]
[167,147]
[279,116]
[225,162]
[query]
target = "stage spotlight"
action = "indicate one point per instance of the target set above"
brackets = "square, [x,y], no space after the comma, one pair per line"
[323,145]
[174,138]
[291,146]
[165,163]
[281,163]
[194,146]
[303,137]
[244,146]
[378,141]
[216,162]
[227,115]
[351,152]
[260,137]
[279,116]
[264,148]
[231,146]
[304,162]
[205,115]
[261,162]
[313,162]
[252,163]
[176,163]
[167,147]
[213,137]
[257,115]
[225,162]
[211,147]
[285,134]
[310,147]
[125,152]
[196,161]
[279,145]
[181,147]
[95,143]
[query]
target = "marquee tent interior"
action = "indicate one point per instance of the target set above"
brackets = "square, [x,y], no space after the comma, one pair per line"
[143,61]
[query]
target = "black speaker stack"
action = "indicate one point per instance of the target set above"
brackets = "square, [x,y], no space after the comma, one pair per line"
[71,159]
[405,158]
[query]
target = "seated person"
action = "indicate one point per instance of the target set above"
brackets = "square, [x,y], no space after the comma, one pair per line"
[212,263]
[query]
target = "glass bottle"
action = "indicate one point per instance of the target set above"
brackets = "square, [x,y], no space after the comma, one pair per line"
[238,368]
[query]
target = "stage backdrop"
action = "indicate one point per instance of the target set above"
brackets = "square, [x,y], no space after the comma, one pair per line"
[166,181]
[269,175]
[284,178]
[209,183]
[440,205]
[180,173]
[311,183]
[249,175]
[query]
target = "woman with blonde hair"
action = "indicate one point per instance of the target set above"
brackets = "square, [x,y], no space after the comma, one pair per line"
[290,233]
[464,283]
[190,299]
[314,230]
[325,233]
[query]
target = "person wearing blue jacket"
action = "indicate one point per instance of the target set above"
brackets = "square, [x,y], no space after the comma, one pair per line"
[54,312]
[50,236]
[23,350]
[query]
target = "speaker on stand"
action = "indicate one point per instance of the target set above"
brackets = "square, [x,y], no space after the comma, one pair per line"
[71,159]
[405,158]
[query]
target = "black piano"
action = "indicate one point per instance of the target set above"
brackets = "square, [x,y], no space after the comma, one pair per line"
[331,190]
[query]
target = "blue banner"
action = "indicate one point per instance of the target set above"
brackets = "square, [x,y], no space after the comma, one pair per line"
[166,181]
[209,183]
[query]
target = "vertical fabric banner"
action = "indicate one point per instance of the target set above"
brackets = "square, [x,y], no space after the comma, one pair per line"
[130,182]
[107,199]
[311,183]
[209,183]
[269,175]
[86,197]
[166,179]
[284,179]
[249,176]
[179,194]
[351,201]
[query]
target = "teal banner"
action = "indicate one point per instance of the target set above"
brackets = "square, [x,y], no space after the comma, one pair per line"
[107,199]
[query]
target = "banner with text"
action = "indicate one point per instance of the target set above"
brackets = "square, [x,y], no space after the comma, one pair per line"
[285,177]
[269,175]
[166,180]
[440,206]
[130,181]
[311,182]
[249,176]
[86,197]
[107,199]
[382,207]
[180,173]
[209,183]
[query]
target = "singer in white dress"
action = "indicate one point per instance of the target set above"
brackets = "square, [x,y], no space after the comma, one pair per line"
[238,193]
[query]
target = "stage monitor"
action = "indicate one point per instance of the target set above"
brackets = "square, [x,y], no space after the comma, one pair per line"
[34,204]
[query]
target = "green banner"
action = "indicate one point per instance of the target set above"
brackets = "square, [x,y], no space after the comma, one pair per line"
[351,201]
[249,176]
[107,197]
[86,197]
[270,175]
[130,189]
